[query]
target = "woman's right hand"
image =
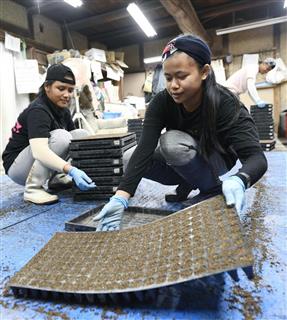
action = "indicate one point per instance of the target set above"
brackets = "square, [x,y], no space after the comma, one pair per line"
[110,216]
[81,179]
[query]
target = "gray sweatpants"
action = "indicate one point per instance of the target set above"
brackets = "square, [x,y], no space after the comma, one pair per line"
[58,142]
[176,161]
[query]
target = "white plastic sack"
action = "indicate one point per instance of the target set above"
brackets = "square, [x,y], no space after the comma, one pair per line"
[278,74]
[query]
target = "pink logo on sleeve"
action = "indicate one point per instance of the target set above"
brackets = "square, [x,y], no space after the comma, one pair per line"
[17,127]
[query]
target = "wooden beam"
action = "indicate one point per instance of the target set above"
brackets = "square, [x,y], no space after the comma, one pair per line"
[108,17]
[98,19]
[186,17]
[14,30]
[162,23]
[219,10]
[29,42]
[41,7]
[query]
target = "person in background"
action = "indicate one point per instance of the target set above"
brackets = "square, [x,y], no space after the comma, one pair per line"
[40,140]
[244,80]
[207,130]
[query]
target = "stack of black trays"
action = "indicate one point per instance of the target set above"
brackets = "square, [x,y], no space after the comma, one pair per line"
[101,157]
[136,126]
[263,118]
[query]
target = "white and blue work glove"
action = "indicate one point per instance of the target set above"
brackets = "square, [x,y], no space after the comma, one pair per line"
[233,189]
[82,181]
[261,103]
[111,215]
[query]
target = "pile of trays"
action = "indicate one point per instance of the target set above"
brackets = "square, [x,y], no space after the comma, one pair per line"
[136,126]
[263,118]
[101,157]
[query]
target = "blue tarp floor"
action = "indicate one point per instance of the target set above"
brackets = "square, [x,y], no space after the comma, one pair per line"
[26,228]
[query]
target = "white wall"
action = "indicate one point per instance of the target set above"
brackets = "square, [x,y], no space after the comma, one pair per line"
[11,103]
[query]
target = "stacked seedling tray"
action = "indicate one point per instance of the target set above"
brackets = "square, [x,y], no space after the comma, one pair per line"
[263,118]
[267,145]
[136,126]
[145,263]
[101,157]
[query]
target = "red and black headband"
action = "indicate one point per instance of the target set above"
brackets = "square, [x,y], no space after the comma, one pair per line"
[192,46]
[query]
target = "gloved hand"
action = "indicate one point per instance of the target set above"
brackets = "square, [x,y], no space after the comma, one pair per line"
[261,103]
[111,215]
[233,190]
[82,181]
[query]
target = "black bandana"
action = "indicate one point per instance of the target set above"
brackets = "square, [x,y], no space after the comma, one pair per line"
[191,45]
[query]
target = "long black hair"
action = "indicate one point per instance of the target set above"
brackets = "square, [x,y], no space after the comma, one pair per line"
[211,98]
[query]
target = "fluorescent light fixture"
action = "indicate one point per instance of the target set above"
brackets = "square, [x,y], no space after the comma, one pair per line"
[252,25]
[285,4]
[141,20]
[74,3]
[152,59]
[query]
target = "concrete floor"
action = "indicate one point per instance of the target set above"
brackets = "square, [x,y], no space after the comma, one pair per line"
[26,228]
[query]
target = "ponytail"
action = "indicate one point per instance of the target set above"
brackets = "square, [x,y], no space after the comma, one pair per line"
[210,104]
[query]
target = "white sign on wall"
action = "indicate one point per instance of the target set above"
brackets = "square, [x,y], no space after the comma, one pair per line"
[27,76]
[12,43]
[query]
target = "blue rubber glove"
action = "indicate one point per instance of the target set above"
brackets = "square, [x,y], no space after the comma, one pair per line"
[233,189]
[82,181]
[111,215]
[261,103]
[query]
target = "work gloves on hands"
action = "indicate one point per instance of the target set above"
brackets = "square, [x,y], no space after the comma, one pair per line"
[261,103]
[82,181]
[111,215]
[233,190]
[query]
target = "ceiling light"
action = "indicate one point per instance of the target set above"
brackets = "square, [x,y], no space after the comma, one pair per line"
[252,25]
[285,4]
[141,20]
[74,3]
[152,59]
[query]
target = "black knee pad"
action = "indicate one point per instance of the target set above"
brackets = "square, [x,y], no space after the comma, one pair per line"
[177,147]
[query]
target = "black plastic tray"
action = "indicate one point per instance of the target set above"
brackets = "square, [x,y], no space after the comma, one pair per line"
[103,171]
[133,216]
[104,141]
[106,180]
[265,137]
[81,163]
[135,125]
[266,131]
[141,120]
[101,153]
[92,196]
[259,126]
[262,118]
[263,122]
[267,144]
[255,107]
[268,113]
[99,189]
[268,148]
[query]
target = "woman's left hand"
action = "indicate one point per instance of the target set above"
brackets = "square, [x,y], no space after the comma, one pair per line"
[82,181]
[233,190]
